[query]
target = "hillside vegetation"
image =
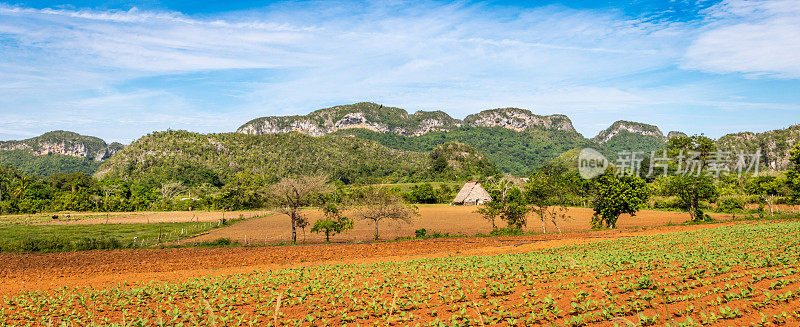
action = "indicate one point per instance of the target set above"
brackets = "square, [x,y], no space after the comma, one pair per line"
[633,142]
[513,152]
[774,145]
[220,157]
[515,140]
[48,164]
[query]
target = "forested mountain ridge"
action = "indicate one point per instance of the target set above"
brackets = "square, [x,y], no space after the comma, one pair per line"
[378,118]
[516,141]
[223,158]
[57,152]
[514,152]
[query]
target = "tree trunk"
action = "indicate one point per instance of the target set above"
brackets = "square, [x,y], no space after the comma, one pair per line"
[554,223]
[294,227]
[769,203]
[693,208]
[327,236]
[376,230]
[541,216]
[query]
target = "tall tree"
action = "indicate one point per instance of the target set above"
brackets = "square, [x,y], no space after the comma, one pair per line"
[691,190]
[290,194]
[379,204]
[692,183]
[617,195]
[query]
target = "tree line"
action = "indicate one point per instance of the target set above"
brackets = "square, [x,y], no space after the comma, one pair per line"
[547,192]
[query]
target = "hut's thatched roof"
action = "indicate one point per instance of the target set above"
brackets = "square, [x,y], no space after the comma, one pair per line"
[471,194]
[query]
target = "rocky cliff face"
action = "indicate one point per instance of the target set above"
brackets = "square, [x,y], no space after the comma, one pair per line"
[382,119]
[672,134]
[65,143]
[628,126]
[518,120]
[774,145]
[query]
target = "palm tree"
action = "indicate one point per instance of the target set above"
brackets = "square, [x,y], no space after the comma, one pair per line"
[23,183]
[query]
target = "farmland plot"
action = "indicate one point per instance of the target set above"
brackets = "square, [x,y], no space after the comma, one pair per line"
[735,275]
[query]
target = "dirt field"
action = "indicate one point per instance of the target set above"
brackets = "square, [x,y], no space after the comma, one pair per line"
[41,271]
[559,279]
[456,220]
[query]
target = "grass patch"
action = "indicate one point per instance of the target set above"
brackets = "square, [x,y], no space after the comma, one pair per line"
[22,219]
[57,238]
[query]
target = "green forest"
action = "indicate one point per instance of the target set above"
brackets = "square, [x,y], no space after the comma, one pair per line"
[513,152]
[46,165]
[178,170]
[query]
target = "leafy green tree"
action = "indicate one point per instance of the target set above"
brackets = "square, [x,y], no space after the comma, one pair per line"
[491,211]
[617,195]
[114,191]
[690,190]
[445,193]
[699,144]
[423,193]
[691,184]
[508,205]
[72,181]
[333,223]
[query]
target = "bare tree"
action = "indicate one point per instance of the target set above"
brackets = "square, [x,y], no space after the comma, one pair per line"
[380,204]
[292,193]
[108,189]
[545,193]
[171,189]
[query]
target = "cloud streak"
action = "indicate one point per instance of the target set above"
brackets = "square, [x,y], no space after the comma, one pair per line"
[756,38]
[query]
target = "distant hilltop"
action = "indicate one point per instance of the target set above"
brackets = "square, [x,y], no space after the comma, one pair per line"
[65,143]
[382,119]
[515,140]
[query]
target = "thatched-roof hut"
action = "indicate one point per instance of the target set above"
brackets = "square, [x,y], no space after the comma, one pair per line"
[472,194]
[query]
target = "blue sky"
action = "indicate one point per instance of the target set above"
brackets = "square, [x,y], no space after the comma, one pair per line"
[121,69]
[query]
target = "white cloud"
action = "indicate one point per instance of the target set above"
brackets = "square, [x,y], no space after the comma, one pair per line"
[757,38]
[64,68]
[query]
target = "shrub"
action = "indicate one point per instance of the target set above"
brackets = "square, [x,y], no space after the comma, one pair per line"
[506,231]
[424,234]
[666,203]
[219,242]
[731,204]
